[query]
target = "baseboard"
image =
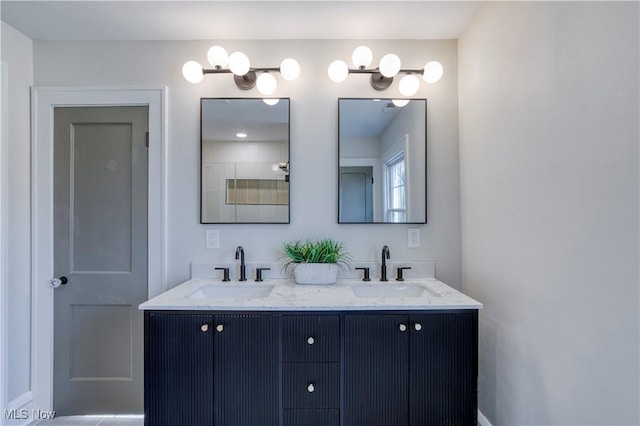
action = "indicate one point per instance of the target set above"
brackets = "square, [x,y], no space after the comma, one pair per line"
[482,420]
[18,411]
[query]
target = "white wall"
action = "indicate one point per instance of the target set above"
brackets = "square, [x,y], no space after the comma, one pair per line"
[17,54]
[314,101]
[549,109]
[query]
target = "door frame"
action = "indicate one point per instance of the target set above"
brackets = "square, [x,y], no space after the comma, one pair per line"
[4,221]
[43,101]
[374,163]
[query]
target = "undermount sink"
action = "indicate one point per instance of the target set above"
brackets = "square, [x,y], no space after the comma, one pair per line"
[232,291]
[388,290]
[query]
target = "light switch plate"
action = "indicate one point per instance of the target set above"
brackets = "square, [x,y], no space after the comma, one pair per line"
[212,237]
[413,238]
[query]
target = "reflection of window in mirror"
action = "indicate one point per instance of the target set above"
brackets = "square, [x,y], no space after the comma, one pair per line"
[382,161]
[396,199]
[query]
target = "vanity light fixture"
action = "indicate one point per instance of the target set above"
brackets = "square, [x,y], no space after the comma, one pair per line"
[244,75]
[388,67]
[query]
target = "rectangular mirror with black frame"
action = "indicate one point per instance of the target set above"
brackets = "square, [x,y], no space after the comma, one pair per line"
[382,155]
[244,160]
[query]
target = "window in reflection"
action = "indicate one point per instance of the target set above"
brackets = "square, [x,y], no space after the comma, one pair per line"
[396,199]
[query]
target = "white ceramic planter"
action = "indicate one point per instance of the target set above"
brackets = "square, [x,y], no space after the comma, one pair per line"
[315,273]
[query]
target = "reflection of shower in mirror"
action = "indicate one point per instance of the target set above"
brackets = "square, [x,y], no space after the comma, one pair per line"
[244,180]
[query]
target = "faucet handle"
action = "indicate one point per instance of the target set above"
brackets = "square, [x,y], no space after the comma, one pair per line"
[400,269]
[259,273]
[225,273]
[367,276]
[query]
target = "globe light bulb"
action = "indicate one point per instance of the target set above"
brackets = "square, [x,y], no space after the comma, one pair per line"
[239,63]
[362,57]
[400,102]
[290,69]
[266,83]
[409,85]
[432,72]
[217,57]
[338,71]
[271,101]
[192,72]
[389,65]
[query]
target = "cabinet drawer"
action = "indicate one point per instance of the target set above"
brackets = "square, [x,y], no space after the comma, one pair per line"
[311,338]
[311,417]
[311,385]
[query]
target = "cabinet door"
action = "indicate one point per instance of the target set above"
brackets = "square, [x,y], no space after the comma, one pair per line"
[178,388]
[375,370]
[247,370]
[443,369]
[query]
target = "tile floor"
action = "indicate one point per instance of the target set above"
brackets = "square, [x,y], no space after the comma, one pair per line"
[92,421]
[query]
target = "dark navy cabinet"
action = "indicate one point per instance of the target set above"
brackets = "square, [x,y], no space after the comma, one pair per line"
[372,368]
[311,374]
[221,370]
[178,388]
[246,372]
[375,370]
[425,364]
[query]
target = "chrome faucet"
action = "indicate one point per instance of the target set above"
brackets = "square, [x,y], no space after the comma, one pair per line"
[243,267]
[383,267]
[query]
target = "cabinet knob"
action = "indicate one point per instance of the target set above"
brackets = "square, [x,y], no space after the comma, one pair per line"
[219,327]
[311,340]
[311,388]
[417,326]
[204,327]
[402,327]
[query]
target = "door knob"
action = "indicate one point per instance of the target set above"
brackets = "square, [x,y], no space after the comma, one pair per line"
[57,282]
[402,327]
[311,388]
[418,326]
[311,341]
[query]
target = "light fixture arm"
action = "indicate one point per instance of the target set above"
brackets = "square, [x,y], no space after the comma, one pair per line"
[244,82]
[378,81]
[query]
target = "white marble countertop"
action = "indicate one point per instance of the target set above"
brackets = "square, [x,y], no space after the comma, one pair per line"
[288,296]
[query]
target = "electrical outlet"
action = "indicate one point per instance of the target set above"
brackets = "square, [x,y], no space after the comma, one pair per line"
[212,237]
[413,238]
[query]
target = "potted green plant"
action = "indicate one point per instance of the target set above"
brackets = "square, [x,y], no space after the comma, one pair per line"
[315,262]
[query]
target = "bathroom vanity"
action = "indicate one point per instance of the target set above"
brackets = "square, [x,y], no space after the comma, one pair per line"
[277,353]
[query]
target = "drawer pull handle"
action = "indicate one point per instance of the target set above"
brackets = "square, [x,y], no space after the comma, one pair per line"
[219,328]
[311,340]
[204,328]
[311,388]
[402,327]
[418,326]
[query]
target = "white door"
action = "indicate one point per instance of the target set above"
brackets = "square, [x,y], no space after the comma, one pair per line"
[100,245]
